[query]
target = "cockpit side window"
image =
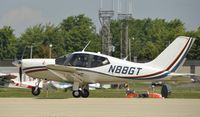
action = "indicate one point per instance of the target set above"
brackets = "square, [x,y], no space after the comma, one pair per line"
[79,60]
[99,61]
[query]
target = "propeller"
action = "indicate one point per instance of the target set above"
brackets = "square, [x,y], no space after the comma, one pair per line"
[20,74]
[18,63]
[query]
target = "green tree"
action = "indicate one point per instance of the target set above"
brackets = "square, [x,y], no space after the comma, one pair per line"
[147,33]
[194,53]
[40,37]
[77,32]
[151,36]
[7,43]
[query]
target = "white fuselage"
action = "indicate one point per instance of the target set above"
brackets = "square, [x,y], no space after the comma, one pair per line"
[117,71]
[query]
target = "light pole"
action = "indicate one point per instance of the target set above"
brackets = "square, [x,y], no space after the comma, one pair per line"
[31,53]
[134,55]
[50,46]
[31,50]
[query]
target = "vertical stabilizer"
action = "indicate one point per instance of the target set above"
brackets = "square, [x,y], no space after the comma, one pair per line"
[173,56]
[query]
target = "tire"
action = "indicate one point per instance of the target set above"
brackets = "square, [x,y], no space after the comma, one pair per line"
[85,93]
[35,93]
[165,91]
[77,93]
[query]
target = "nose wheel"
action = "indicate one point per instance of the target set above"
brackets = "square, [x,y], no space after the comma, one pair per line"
[35,91]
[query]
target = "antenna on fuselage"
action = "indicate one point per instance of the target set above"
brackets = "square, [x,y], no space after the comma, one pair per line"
[86,46]
[125,58]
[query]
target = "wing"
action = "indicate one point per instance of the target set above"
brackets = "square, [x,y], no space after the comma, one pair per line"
[66,73]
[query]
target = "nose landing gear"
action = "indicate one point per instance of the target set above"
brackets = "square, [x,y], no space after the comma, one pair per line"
[36,90]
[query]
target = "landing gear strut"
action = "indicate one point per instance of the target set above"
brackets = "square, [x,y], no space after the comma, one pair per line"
[36,90]
[80,92]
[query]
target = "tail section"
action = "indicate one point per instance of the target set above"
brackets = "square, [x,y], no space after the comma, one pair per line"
[173,56]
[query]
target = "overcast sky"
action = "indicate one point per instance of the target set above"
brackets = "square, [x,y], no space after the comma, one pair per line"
[20,14]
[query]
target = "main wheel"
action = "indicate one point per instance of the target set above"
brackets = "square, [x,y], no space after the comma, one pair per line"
[77,93]
[35,92]
[165,91]
[85,93]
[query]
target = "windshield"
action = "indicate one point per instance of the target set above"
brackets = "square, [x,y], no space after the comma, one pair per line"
[61,60]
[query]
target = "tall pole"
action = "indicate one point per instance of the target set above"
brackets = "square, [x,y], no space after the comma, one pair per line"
[113,5]
[126,40]
[121,40]
[125,43]
[106,36]
[50,46]
[31,53]
[101,4]
[129,48]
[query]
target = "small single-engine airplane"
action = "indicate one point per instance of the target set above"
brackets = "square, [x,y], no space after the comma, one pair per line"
[83,68]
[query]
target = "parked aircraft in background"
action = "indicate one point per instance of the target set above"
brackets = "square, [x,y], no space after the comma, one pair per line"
[6,79]
[12,81]
[83,68]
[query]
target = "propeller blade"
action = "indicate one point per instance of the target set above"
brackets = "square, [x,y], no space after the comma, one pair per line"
[20,74]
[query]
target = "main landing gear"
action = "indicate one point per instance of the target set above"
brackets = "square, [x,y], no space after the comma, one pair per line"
[165,89]
[80,92]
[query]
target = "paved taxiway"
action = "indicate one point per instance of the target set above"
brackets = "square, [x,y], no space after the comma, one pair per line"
[99,107]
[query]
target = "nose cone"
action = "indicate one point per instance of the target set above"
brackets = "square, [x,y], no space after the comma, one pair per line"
[17,63]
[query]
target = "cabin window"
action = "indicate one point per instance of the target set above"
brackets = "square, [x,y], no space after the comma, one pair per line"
[86,60]
[99,61]
[79,60]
